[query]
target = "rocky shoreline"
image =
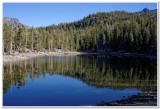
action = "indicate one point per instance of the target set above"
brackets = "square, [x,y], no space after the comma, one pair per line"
[24,56]
[125,54]
[147,98]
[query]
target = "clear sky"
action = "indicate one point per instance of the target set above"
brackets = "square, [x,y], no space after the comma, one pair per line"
[43,14]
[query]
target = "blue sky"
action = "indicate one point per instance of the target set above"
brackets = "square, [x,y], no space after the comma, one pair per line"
[43,14]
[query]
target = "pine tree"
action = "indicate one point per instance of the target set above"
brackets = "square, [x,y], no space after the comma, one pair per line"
[6,38]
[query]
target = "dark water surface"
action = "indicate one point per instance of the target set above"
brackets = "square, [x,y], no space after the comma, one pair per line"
[75,80]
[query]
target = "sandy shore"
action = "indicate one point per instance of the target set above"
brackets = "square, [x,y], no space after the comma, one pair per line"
[24,56]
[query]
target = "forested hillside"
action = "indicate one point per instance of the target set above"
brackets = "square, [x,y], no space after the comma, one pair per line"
[103,31]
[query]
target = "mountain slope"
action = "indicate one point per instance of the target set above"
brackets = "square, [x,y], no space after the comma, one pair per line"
[87,21]
[146,10]
[104,18]
[13,21]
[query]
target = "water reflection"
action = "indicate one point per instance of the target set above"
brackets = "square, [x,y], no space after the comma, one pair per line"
[115,73]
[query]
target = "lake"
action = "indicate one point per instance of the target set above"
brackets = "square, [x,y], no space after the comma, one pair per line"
[75,80]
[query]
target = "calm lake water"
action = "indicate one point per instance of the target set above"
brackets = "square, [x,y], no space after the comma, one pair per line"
[75,80]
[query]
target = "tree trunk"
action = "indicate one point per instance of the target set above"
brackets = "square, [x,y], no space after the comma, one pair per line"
[10,52]
[32,40]
[26,40]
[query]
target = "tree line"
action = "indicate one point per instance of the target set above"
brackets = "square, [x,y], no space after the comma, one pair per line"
[103,31]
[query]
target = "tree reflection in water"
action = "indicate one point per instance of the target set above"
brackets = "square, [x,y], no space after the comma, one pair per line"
[110,72]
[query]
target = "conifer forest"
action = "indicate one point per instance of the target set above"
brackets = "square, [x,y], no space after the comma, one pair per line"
[103,31]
